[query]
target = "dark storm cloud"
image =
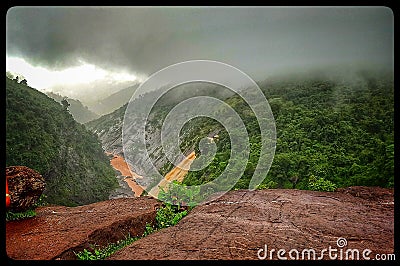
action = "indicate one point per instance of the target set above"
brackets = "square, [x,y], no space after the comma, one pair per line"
[256,40]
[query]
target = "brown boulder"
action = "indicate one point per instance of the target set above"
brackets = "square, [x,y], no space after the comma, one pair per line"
[25,186]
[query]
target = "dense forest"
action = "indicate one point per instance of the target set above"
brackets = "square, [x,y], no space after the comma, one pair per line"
[331,131]
[42,134]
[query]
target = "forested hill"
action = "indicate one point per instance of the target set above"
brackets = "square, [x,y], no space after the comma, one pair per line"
[333,130]
[335,127]
[42,134]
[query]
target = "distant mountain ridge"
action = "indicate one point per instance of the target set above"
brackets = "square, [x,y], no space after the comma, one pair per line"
[80,112]
[114,101]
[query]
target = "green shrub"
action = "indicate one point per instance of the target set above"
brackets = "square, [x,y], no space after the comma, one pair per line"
[14,216]
[148,230]
[169,215]
[320,184]
[270,184]
[179,194]
[102,253]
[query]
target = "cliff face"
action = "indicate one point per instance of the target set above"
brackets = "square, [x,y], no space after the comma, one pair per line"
[108,129]
[234,226]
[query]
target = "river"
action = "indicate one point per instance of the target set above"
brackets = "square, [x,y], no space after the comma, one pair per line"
[119,164]
[177,173]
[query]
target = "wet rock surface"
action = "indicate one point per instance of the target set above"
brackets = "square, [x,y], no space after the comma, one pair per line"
[240,223]
[234,226]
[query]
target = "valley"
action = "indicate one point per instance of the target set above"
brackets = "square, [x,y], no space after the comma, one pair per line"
[200,133]
[316,191]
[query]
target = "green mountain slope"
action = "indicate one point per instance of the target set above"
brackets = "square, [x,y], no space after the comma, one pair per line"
[339,129]
[335,126]
[42,135]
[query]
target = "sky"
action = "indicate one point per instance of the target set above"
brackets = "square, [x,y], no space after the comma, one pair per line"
[90,53]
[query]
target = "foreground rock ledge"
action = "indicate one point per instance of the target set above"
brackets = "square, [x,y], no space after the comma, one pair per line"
[239,223]
[57,231]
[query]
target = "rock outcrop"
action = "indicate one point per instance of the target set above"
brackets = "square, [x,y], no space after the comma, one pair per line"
[25,187]
[240,223]
[57,232]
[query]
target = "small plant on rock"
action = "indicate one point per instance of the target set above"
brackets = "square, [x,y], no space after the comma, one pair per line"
[320,184]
